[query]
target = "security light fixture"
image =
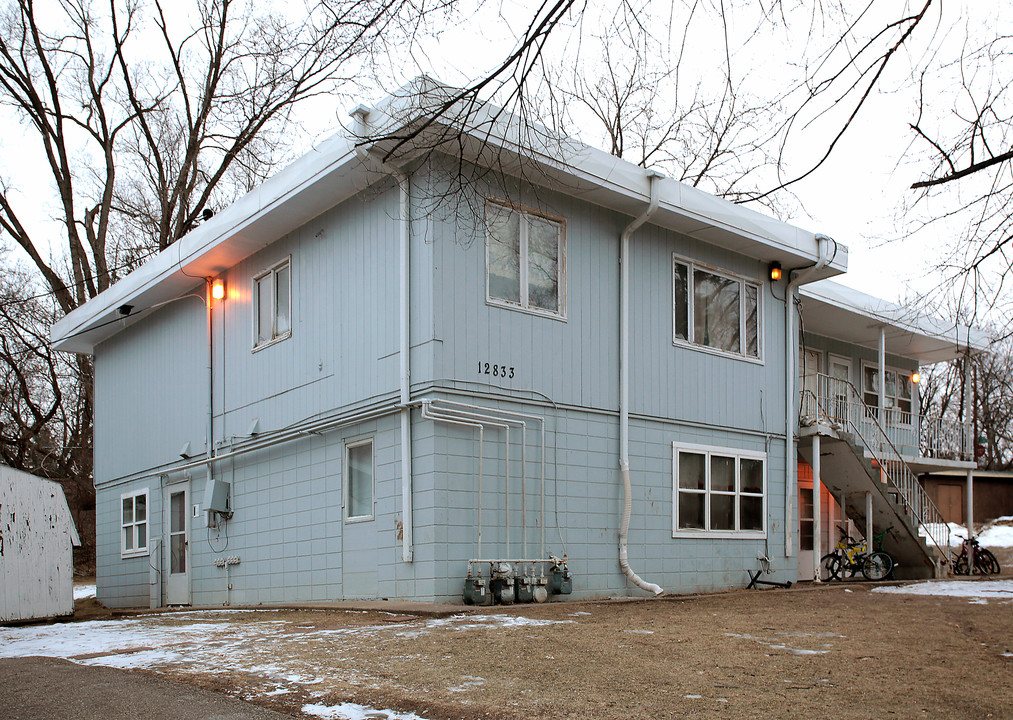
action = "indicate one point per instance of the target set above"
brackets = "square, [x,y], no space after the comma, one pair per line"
[217,289]
[775,270]
[915,378]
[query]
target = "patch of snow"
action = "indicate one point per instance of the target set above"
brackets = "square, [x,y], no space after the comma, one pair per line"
[955,588]
[997,536]
[938,530]
[470,682]
[352,711]
[82,592]
[640,632]
[693,697]
[775,645]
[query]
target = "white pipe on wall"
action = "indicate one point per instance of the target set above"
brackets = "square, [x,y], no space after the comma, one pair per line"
[361,113]
[795,278]
[536,418]
[428,414]
[624,385]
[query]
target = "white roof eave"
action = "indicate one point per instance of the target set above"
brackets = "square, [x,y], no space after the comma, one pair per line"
[332,173]
[840,312]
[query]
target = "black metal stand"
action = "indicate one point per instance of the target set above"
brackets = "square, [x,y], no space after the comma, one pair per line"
[754,581]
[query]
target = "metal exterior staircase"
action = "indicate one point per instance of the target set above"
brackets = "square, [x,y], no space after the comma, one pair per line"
[857,456]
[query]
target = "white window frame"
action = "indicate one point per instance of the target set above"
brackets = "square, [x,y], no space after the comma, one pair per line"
[708,451]
[272,273]
[348,482]
[892,411]
[691,267]
[137,550]
[524,305]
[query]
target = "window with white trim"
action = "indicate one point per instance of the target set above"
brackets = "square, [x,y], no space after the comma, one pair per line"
[715,310]
[359,480]
[134,523]
[898,393]
[718,491]
[272,304]
[524,259]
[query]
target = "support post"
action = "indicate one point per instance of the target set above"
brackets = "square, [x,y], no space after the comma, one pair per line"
[868,521]
[817,524]
[969,502]
[881,399]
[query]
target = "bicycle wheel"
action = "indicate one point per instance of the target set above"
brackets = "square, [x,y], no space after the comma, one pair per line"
[877,566]
[960,566]
[988,561]
[981,565]
[830,565]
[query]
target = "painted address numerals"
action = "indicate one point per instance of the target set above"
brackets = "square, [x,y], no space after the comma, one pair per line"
[501,371]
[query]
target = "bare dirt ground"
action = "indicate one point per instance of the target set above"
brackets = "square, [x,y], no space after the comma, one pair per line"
[836,651]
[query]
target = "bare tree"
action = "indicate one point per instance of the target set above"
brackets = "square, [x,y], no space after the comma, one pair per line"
[148,117]
[643,88]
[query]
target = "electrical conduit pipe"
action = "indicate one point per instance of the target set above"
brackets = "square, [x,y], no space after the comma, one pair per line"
[624,384]
[360,114]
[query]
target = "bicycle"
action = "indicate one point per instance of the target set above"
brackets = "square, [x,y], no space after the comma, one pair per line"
[973,558]
[851,557]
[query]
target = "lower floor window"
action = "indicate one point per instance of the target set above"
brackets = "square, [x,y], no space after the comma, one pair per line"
[359,480]
[718,490]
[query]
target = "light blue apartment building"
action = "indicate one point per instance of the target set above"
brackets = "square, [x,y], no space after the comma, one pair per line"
[565,377]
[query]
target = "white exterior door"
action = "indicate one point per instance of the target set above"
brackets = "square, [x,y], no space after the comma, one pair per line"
[805,533]
[176,499]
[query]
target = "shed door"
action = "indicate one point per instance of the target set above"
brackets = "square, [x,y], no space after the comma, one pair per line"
[177,541]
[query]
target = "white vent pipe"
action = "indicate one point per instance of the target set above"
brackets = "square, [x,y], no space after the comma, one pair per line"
[362,151]
[624,384]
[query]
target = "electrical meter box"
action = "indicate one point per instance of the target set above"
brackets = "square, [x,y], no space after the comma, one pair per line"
[216,496]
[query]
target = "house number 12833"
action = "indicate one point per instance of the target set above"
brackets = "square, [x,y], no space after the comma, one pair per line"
[495,370]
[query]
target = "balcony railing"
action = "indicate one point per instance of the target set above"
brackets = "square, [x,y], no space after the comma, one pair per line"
[913,436]
[835,402]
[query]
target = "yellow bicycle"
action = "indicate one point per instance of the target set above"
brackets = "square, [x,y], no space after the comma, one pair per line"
[851,557]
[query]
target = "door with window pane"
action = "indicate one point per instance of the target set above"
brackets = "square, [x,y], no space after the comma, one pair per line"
[359,541]
[176,502]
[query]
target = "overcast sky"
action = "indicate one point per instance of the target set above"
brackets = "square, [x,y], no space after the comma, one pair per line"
[855,197]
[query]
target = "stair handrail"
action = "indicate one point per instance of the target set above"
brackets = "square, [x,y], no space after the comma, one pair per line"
[917,502]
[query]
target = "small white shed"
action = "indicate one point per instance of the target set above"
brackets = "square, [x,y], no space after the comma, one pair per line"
[37,537]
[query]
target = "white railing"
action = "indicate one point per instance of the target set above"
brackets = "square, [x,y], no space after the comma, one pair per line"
[945,439]
[835,402]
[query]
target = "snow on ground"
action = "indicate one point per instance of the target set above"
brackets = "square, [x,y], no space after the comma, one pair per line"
[225,641]
[978,589]
[83,592]
[998,533]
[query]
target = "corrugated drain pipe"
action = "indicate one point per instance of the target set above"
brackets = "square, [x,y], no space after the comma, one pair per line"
[624,384]
[361,113]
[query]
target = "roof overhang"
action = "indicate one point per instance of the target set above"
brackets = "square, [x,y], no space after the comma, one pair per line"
[833,310]
[484,135]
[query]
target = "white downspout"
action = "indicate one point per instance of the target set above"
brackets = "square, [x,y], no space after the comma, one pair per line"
[795,278]
[624,384]
[360,114]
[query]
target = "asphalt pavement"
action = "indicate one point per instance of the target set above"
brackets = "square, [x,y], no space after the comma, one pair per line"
[39,688]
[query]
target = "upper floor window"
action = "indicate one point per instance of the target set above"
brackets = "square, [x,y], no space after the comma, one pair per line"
[715,310]
[134,523]
[898,393]
[525,259]
[272,304]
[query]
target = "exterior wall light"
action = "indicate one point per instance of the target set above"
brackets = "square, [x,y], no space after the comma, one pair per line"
[915,378]
[775,270]
[217,289]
